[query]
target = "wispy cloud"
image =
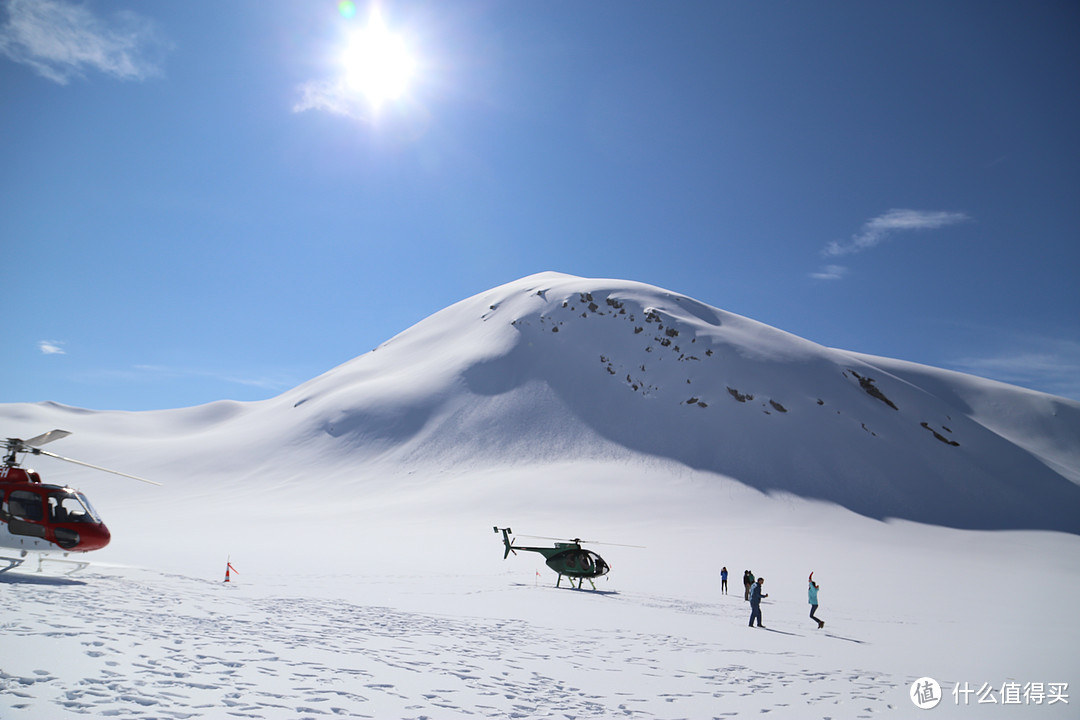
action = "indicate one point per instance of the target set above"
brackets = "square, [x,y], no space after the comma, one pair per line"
[62,40]
[877,230]
[830,272]
[51,347]
[1049,365]
[333,97]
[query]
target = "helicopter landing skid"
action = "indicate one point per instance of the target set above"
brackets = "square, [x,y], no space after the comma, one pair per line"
[78,564]
[12,563]
[558,583]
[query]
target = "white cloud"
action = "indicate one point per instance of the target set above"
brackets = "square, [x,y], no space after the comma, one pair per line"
[331,97]
[61,40]
[830,272]
[51,347]
[877,230]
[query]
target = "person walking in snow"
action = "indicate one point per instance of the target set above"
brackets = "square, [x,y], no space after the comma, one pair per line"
[812,591]
[755,602]
[748,582]
[723,580]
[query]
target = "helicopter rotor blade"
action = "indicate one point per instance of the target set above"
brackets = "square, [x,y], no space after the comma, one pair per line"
[45,438]
[579,541]
[37,451]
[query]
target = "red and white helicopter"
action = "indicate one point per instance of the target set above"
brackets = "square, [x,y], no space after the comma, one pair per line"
[42,518]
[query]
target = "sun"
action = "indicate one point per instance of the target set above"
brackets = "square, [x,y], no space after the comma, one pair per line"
[378,63]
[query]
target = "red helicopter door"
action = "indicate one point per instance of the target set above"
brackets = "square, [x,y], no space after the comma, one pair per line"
[24,512]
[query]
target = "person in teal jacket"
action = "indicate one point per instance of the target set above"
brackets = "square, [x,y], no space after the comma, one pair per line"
[812,591]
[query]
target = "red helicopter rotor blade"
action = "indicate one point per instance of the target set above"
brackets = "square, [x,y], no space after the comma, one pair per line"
[95,467]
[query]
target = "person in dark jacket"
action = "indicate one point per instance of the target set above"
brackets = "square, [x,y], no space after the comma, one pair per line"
[747,581]
[755,602]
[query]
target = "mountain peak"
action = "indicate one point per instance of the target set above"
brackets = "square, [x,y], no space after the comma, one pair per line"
[557,366]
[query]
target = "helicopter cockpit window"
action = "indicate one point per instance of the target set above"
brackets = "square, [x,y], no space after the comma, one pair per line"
[25,506]
[89,508]
[71,508]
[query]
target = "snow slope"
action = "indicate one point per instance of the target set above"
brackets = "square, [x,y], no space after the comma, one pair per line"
[358,508]
[554,365]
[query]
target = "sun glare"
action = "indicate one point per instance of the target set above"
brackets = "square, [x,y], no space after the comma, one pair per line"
[378,63]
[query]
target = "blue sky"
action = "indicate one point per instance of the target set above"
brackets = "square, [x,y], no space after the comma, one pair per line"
[198,201]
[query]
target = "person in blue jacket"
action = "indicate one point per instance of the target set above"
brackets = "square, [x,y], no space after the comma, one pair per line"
[723,580]
[812,591]
[755,602]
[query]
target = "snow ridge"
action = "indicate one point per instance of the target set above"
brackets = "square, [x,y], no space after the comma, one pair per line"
[556,367]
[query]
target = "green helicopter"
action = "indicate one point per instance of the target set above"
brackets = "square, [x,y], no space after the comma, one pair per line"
[566,558]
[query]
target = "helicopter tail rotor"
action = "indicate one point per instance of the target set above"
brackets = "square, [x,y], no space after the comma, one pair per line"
[506,541]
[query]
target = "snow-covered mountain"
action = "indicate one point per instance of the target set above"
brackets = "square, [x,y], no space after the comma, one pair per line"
[358,508]
[556,367]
